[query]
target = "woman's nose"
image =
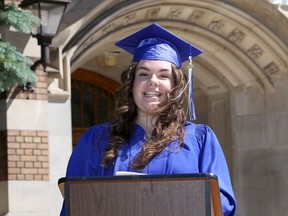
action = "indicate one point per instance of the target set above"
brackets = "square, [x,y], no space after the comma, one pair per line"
[153,80]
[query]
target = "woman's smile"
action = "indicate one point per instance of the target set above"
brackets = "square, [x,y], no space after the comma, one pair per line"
[152,94]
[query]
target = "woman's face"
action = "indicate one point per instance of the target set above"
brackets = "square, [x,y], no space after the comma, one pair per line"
[153,79]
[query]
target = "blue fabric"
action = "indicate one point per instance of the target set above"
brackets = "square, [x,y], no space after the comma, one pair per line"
[201,153]
[191,106]
[157,49]
[165,41]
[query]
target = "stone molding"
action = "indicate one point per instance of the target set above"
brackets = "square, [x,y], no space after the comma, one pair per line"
[240,42]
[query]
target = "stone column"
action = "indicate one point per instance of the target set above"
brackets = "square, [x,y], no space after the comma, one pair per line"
[24,162]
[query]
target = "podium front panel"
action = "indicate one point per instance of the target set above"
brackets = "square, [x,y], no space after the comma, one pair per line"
[156,195]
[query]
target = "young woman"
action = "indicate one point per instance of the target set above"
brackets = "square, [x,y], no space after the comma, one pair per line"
[150,133]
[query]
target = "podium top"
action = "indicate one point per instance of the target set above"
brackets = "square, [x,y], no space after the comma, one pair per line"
[135,176]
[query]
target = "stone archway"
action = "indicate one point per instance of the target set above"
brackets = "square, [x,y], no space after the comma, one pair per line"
[242,68]
[229,38]
[240,53]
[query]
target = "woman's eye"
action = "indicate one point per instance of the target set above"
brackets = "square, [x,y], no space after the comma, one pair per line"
[143,74]
[164,76]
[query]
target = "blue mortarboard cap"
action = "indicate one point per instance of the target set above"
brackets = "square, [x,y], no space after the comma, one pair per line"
[156,43]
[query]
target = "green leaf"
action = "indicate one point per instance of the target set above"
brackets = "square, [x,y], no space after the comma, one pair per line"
[21,20]
[14,67]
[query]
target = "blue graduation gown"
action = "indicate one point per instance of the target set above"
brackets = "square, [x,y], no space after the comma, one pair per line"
[200,153]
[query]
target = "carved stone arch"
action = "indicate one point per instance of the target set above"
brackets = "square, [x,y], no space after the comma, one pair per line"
[242,53]
[256,50]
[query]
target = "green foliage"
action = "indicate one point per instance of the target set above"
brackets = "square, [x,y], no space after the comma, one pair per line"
[21,20]
[14,66]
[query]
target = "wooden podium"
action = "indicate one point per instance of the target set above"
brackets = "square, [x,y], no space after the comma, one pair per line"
[139,195]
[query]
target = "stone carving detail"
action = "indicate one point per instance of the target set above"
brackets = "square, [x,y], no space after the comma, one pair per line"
[196,15]
[130,18]
[152,13]
[88,42]
[216,24]
[175,13]
[255,52]
[271,70]
[236,36]
[108,28]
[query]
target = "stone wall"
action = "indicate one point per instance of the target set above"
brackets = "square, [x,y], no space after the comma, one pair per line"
[24,148]
[261,149]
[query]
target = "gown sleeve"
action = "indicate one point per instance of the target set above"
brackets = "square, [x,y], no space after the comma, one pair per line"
[212,160]
[85,159]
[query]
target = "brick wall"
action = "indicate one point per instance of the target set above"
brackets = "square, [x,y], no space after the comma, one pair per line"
[27,153]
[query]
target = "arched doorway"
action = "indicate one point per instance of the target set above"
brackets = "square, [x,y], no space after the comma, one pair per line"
[242,74]
[91,101]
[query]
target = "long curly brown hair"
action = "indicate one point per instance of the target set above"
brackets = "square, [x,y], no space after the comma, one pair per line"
[169,123]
